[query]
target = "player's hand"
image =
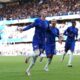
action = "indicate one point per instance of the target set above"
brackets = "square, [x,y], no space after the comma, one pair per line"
[20,29]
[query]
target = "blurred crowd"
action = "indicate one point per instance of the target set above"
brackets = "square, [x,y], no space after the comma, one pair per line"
[35,8]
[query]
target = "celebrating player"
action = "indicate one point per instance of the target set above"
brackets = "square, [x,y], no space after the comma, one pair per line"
[50,42]
[71,33]
[40,25]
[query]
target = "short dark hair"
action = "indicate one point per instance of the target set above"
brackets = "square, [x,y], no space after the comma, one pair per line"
[73,21]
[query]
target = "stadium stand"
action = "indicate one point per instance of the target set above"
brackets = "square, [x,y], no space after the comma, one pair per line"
[31,9]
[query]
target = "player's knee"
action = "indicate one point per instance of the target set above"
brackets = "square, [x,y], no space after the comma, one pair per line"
[37,52]
[66,50]
[33,62]
[50,56]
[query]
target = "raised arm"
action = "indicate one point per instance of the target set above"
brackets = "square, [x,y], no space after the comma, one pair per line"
[28,27]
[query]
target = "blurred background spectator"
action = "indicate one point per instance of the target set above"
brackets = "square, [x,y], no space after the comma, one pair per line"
[33,8]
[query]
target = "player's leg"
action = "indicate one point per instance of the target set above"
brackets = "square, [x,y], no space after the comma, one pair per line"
[41,59]
[41,53]
[63,56]
[48,63]
[28,56]
[27,59]
[33,60]
[70,59]
[42,48]
[65,51]
[50,51]
[71,55]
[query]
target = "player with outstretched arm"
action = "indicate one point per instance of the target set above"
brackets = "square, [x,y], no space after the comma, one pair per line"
[40,25]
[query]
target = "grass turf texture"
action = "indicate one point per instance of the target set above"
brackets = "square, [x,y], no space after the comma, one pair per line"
[13,68]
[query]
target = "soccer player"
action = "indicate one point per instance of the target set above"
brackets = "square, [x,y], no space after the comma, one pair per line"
[71,33]
[50,42]
[40,25]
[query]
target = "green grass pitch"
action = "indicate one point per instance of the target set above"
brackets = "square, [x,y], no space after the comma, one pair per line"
[13,68]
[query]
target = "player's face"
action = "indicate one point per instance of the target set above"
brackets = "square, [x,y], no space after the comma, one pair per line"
[74,24]
[53,23]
